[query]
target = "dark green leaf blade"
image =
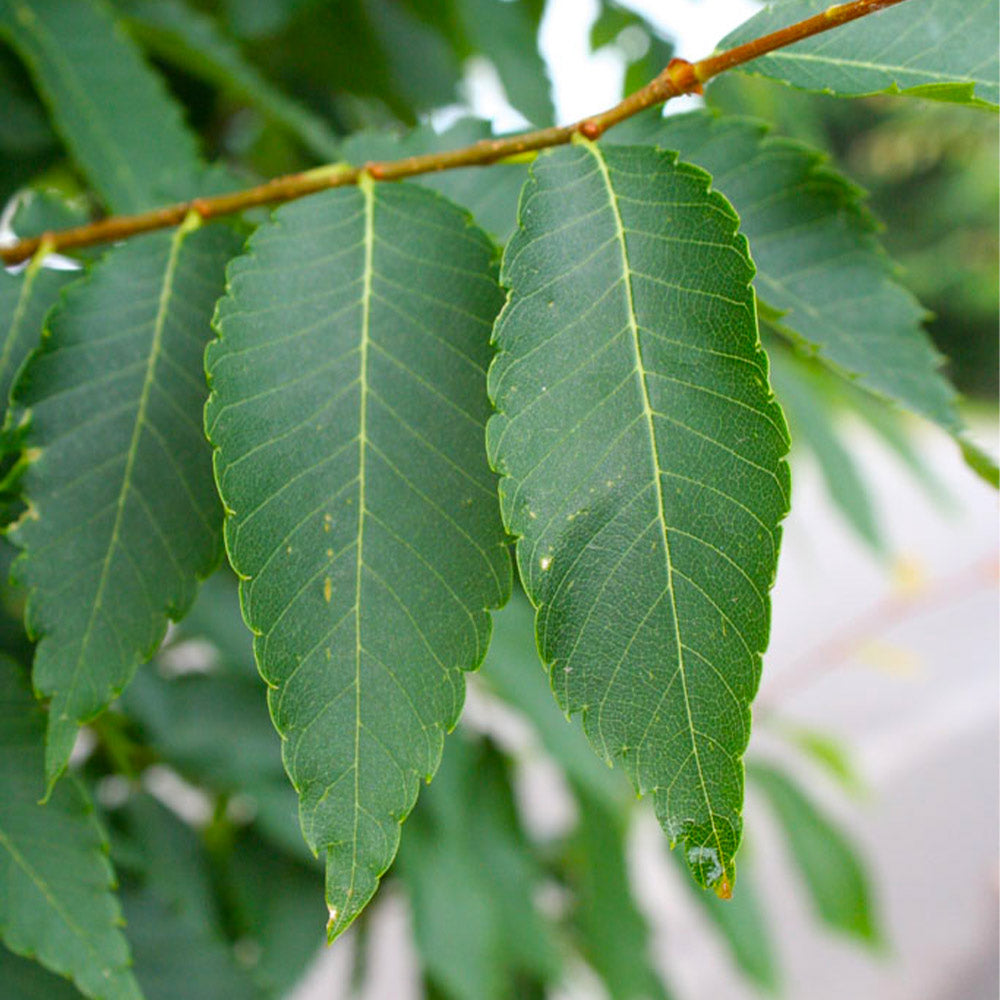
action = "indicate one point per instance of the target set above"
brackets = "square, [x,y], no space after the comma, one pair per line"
[113,112]
[821,271]
[193,41]
[172,948]
[472,878]
[829,864]
[122,516]
[610,929]
[25,298]
[27,980]
[362,513]
[642,452]
[56,902]
[943,49]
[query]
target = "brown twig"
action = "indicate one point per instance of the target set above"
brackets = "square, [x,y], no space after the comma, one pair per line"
[680,77]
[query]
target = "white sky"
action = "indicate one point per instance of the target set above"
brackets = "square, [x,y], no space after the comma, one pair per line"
[584,82]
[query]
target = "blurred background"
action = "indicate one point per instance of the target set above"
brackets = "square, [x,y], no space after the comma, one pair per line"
[870,867]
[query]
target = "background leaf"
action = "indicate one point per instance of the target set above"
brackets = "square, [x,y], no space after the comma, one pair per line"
[829,865]
[193,41]
[113,398]
[506,32]
[113,112]
[610,931]
[813,423]
[642,452]
[472,879]
[828,285]
[363,515]
[56,903]
[942,49]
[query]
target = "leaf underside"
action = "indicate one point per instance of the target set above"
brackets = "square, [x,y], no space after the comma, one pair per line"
[942,49]
[819,264]
[113,397]
[642,455]
[347,411]
[56,903]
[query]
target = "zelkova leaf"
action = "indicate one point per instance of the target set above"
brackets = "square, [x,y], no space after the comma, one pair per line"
[113,112]
[122,517]
[472,878]
[642,455]
[193,41]
[942,49]
[831,868]
[610,930]
[56,903]
[361,513]
[820,268]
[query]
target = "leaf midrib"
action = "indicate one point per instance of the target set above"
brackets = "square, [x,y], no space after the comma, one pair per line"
[42,885]
[367,188]
[640,372]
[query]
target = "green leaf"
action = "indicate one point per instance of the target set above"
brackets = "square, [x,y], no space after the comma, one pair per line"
[506,32]
[490,194]
[278,906]
[827,283]
[194,42]
[610,930]
[170,900]
[213,728]
[827,752]
[642,454]
[472,877]
[813,423]
[513,670]
[942,49]
[27,141]
[56,903]
[25,298]
[172,948]
[26,980]
[829,865]
[362,515]
[113,112]
[158,849]
[122,515]
[742,924]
